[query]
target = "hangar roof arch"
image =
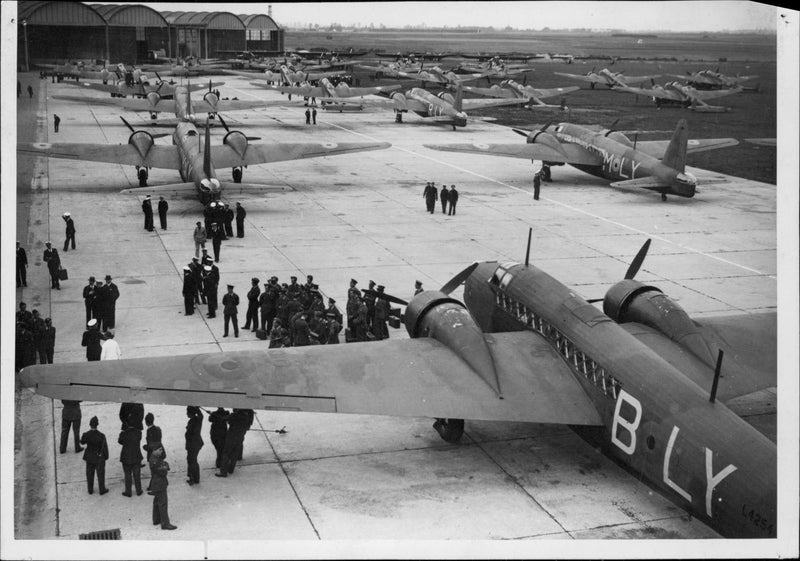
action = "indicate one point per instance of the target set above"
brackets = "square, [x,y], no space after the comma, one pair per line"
[130,15]
[206,20]
[258,21]
[59,13]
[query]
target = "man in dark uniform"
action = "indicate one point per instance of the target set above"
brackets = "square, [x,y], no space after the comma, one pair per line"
[132,415]
[189,291]
[240,215]
[152,439]
[382,309]
[70,417]
[308,116]
[238,423]
[229,216]
[293,290]
[205,258]
[91,340]
[229,309]
[158,488]
[197,273]
[267,302]
[100,304]
[453,200]
[332,309]
[88,298]
[131,458]
[210,284]
[194,442]
[369,300]
[545,172]
[147,209]
[443,196]
[23,315]
[430,195]
[95,456]
[70,231]
[278,335]
[301,332]
[111,297]
[334,328]
[417,287]
[537,183]
[219,428]
[37,329]
[216,239]
[252,305]
[22,267]
[163,207]
[360,321]
[314,115]
[53,265]
[49,339]
[56,121]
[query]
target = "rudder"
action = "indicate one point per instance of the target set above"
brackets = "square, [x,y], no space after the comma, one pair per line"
[675,155]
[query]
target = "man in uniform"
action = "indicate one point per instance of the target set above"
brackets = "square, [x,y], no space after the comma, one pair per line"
[197,273]
[308,116]
[53,265]
[131,458]
[152,439]
[194,442]
[333,310]
[537,183]
[369,300]
[293,290]
[453,200]
[56,121]
[132,414]
[23,315]
[95,456]
[22,267]
[417,287]
[359,330]
[443,196]
[210,285]
[70,417]
[163,207]
[49,339]
[268,302]
[158,488]
[314,115]
[240,214]
[219,428]
[88,298]
[147,209]
[229,216]
[382,309]
[300,331]
[430,195]
[234,441]
[111,297]
[189,291]
[91,340]
[229,309]
[70,231]
[99,303]
[37,330]
[199,237]
[205,258]
[252,305]
[216,239]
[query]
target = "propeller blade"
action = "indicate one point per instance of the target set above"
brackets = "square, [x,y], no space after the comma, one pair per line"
[127,124]
[637,261]
[251,138]
[456,281]
[224,124]
[521,132]
[385,296]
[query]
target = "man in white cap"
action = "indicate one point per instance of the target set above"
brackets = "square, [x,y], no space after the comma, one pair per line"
[91,340]
[147,209]
[111,350]
[70,231]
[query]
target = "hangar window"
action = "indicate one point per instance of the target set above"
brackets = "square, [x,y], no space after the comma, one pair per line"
[140,34]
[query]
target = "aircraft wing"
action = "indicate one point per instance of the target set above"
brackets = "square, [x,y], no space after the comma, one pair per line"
[468,104]
[594,79]
[656,148]
[705,95]
[111,88]
[305,91]
[660,93]
[411,377]
[226,157]
[358,92]
[635,79]
[548,92]
[235,105]
[572,154]
[159,156]
[494,91]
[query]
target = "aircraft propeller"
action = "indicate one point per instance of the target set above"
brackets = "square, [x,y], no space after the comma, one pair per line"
[225,125]
[133,130]
[633,268]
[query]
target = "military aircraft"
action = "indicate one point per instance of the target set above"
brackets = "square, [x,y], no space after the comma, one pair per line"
[493,68]
[607,78]
[391,70]
[141,86]
[83,71]
[326,90]
[512,89]
[196,162]
[641,380]
[656,165]
[438,76]
[713,80]
[444,108]
[683,95]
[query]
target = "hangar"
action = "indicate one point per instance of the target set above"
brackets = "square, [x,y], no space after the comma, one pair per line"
[54,31]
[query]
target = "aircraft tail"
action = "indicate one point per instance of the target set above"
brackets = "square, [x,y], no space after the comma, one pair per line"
[458,101]
[229,187]
[207,151]
[675,155]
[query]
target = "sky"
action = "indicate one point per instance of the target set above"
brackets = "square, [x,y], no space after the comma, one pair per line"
[707,15]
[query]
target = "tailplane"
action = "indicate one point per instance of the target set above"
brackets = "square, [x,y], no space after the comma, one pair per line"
[675,155]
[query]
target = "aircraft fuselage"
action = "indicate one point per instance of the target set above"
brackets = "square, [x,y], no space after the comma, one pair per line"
[193,167]
[437,107]
[656,420]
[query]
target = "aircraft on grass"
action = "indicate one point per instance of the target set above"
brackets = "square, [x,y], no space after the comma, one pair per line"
[607,78]
[683,95]
[713,80]
[196,162]
[391,70]
[494,68]
[656,165]
[438,76]
[444,108]
[510,89]
[641,380]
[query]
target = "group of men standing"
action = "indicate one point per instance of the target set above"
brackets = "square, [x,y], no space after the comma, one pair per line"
[100,301]
[367,313]
[35,338]
[147,209]
[431,195]
[200,284]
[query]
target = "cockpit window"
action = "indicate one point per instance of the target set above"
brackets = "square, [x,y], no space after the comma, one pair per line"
[502,276]
[191,132]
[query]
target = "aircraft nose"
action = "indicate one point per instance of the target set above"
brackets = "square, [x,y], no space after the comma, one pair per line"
[461,119]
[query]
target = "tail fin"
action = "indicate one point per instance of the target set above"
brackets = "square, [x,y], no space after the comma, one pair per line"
[189,110]
[675,155]
[207,151]
[459,97]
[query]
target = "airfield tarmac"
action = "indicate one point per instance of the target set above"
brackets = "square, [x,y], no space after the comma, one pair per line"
[362,216]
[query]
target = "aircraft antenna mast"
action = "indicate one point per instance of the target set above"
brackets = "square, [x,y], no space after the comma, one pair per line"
[717,372]
[528,249]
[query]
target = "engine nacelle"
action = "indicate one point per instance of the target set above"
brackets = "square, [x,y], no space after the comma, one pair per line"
[542,137]
[619,137]
[142,141]
[154,98]
[211,98]
[236,140]
[400,102]
[632,301]
[447,97]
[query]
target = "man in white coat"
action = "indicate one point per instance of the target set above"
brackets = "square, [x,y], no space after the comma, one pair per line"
[111,350]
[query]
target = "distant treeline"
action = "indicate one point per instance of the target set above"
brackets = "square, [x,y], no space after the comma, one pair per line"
[635,35]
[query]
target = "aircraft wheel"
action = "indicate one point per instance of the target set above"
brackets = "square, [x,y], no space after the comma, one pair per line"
[237,175]
[450,430]
[142,177]
[663,196]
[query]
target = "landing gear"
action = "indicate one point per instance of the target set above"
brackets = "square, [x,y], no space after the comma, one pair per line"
[153,115]
[398,117]
[545,172]
[142,173]
[450,430]
[237,175]
[663,196]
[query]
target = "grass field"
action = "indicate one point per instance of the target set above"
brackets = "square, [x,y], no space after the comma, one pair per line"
[752,115]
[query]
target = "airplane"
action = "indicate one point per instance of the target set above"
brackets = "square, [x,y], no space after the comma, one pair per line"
[656,165]
[391,70]
[513,89]
[82,71]
[444,108]
[439,76]
[607,78]
[494,68]
[713,80]
[326,90]
[195,162]
[683,95]
[670,397]
[140,87]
